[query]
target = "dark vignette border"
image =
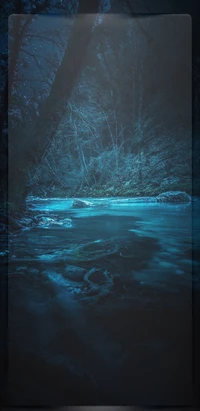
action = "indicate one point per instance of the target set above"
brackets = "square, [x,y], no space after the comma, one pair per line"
[192,8]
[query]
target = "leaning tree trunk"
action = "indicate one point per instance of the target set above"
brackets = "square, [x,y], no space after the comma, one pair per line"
[23,159]
[19,10]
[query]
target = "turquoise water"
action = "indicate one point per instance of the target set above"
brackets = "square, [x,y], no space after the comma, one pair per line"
[102,295]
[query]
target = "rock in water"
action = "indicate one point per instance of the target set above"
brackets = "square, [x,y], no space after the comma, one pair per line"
[174,197]
[81,203]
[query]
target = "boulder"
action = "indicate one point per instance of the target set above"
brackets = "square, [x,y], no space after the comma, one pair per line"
[173,197]
[81,203]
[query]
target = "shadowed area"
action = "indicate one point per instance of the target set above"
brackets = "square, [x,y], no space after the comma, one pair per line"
[99,302]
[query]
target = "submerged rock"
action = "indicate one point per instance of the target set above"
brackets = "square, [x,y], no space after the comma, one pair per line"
[174,197]
[94,250]
[75,273]
[49,222]
[42,219]
[46,221]
[26,222]
[81,203]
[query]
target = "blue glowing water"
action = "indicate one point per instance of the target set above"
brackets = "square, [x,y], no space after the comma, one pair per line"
[102,295]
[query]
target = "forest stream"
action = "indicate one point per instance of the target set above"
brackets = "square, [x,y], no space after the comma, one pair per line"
[98,297]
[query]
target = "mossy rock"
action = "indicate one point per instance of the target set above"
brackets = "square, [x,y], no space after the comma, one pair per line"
[173,197]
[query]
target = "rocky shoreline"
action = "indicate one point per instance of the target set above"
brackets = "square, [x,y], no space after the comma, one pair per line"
[172,197]
[13,223]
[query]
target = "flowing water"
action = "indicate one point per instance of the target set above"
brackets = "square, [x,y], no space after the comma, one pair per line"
[100,304]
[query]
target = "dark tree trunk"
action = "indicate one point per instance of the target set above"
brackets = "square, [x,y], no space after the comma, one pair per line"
[23,159]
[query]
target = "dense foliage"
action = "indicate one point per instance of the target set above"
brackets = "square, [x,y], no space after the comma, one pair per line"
[127,126]
[108,116]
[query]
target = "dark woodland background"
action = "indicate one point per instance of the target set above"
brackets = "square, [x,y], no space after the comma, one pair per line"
[126,130]
[107,142]
[84,164]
